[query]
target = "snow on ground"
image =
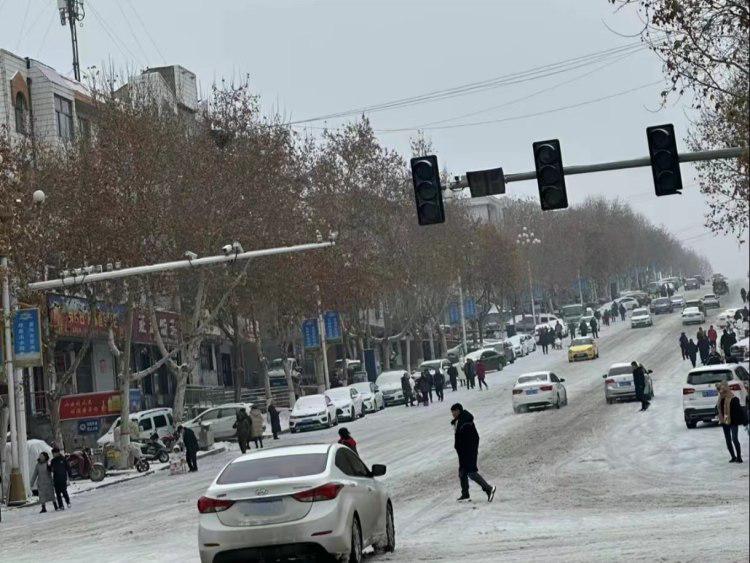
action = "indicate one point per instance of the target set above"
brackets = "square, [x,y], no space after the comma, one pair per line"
[588,482]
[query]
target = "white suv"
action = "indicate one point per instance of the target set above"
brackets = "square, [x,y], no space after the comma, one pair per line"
[699,395]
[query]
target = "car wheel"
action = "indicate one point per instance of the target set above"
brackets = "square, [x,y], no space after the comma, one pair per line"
[293,430]
[610,401]
[389,544]
[691,424]
[363,411]
[557,403]
[516,410]
[355,552]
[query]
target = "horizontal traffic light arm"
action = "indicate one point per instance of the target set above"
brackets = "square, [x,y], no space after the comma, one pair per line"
[716,154]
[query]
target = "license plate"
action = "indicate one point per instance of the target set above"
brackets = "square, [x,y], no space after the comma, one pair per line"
[710,393]
[265,507]
[624,384]
[532,391]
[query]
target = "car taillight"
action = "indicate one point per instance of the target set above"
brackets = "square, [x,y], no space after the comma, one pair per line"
[207,505]
[688,390]
[735,387]
[609,381]
[546,388]
[517,391]
[329,491]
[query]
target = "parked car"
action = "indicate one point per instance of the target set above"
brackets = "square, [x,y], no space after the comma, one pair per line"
[641,317]
[439,368]
[629,303]
[678,301]
[372,397]
[221,419]
[523,344]
[699,395]
[317,500]
[740,351]
[710,301]
[389,382]
[692,315]
[618,383]
[149,421]
[348,401]
[661,305]
[538,389]
[491,358]
[312,411]
[726,317]
[583,348]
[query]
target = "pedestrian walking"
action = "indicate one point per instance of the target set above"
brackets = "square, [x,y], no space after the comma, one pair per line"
[572,330]
[622,312]
[704,348]
[731,416]
[558,330]
[700,335]
[598,317]
[191,447]
[466,443]
[42,478]
[346,439]
[605,317]
[469,371]
[257,425]
[594,327]
[615,310]
[425,388]
[743,294]
[242,423]
[583,328]
[543,342]
[453,376]
[430,382]
[684,345]
[481,374]
[728,339]
[712,335]
[274,419]
[406,390]
[60,470]
[639,382]
[692,351]
[438,380]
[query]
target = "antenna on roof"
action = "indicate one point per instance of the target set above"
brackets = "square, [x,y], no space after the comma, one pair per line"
[71,11]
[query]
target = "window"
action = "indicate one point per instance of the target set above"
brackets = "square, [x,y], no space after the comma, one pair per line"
[554,378]
[21,110]
[207,357]
[348,462]
[709,377]
[170,419]
[160,421]
[278,467]
[145,424]
[64,118]
[213,414]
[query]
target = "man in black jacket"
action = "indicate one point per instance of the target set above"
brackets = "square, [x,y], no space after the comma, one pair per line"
[467,448]
[60,475]
[453,376]
[191,447]
[639,382]
[439,382]
[406,389]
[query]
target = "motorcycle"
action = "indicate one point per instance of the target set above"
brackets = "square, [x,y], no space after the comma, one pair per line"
[155,450]
[83,466]
[111,455]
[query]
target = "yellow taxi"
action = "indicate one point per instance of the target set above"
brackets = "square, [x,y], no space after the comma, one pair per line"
[583,348]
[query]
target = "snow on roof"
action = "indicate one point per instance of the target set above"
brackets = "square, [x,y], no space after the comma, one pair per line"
[535,373]
[713,368]
[53,76]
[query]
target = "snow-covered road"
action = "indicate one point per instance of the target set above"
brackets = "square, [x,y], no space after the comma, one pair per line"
[588,482]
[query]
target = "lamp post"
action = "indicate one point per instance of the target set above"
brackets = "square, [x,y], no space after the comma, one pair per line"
[527,239]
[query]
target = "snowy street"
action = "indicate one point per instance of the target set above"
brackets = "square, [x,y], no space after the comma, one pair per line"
[590,481]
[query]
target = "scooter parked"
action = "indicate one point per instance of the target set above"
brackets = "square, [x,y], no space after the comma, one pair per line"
[155,450]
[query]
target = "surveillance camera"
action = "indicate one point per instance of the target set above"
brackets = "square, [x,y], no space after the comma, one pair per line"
[190,255]
[333,235]
[237,247]
[227,249]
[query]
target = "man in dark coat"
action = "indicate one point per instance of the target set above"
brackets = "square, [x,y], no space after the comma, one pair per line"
[583,328]
[692,351]
[726,344]
[704,347]
[438,381]
[714,358]
[191,447]
[684,345]
[430,382]
[622,311]
[614,311]
[594,327]
[605,317]
[470,374]
[639,382]
[572,330]
[273,415]
[425,386]
[453,376]
[466,443]
[243,425]
[60,474]
[406,390]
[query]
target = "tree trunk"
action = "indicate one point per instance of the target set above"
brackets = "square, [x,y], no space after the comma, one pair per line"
[125,387]
[181,381]
[53,406]
[386,348]
[237,367]
[408,353]
[432,342]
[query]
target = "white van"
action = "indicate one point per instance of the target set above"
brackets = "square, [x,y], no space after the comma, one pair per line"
[154,420]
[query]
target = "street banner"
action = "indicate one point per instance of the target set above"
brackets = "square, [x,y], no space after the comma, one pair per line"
[168,323]
[27,338]
[93,405]
[454,315]
[332,323]
[310,333]
[470,308]
[69,316]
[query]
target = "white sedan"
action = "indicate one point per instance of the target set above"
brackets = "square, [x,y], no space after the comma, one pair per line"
[692,315]
[629,303]
[539,389]
[348,401]
[641,317]
[371,395]
[221,419]
[317,500]
[726,318]
[312,411]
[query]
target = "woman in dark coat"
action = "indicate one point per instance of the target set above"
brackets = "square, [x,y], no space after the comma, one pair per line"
[273,415]
[243,425]
[731,416]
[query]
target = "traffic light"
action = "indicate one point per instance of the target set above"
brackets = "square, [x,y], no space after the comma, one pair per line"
[486,182]
[426,176]
[549,175]
[665,162]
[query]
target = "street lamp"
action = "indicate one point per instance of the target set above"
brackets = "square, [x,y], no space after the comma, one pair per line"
[527,239]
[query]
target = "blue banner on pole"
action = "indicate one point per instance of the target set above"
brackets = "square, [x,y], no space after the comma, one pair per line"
[470,308]
[310,333]
[454,315]
[27,338]
[332,323]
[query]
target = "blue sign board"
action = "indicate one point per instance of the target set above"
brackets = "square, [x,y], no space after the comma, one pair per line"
[470,308]
[332,323]
[90,426]
[310,333]
[27,338]
[454,315]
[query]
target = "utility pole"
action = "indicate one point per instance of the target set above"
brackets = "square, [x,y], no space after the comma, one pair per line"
[580,287]
[323,343]
[71,12]
[463,315]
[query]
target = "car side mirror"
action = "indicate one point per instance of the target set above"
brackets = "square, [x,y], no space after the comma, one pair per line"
[562,380]
[378,470]
[604,376]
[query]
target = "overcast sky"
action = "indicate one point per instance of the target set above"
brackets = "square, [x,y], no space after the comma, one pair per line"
[312,58]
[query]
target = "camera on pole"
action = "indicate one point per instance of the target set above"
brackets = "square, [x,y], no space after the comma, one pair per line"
[549,175]
[427,192]
[486,182]
[665,161]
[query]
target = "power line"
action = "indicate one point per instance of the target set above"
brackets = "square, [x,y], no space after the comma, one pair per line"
[148,34]
[23,24]
[535,73]
[132,32]
[117,42]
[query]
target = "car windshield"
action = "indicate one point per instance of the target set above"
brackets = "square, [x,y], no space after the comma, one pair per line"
[691,311]
[582,341]
[388,378]
[532,378]
[572,311]
[707,377]
[279,467]
[621,370]
[661,301]
[640,312]
[308,402]
[339,393]
[276,364]
[709,297]
[362,387]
